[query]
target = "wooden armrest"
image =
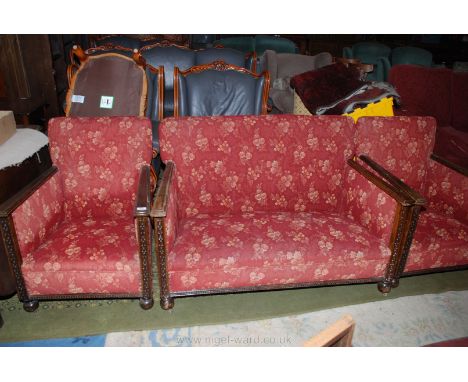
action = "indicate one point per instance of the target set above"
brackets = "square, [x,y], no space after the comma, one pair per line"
[162,194]
[449,164]
[143,198]
[396,193]
[392,179]
[9,205]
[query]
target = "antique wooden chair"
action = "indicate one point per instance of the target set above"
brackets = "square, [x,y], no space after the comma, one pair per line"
[82,229]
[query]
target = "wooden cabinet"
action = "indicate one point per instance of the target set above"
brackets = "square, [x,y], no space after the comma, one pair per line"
[27,84]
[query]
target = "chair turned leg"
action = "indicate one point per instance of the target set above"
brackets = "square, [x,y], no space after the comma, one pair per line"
[385,286]
[167,302]
[395,283]
[146,303]
[30,306]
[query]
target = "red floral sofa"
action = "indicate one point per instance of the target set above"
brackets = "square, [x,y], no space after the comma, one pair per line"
[82,230]
[265,202]
[441,93]
[403,145]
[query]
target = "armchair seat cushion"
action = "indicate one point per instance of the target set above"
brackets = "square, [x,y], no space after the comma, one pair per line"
[439,241]
[215,251]
[86,256]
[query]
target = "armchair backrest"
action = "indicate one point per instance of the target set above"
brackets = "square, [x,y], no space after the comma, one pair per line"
[99,160]
[107,84]
[228,55]
[262,163]
[402,145]
[411,55]
[283,65]
[168,56]
[219,89]
[367,52]
[374,53]
[124,41]
[278,44]
[243,43]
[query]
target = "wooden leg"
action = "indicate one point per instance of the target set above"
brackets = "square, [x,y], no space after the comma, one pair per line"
[30,306]
[146,303]
[167,302]
[385,286]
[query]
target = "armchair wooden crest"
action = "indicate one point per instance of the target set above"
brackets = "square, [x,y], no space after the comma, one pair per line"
[82,229]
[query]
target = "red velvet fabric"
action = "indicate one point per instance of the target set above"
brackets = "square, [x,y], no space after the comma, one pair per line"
[243,164]
[424,91]
[460,101]
[452,144]
[76,232]
[266,248]
[402,145]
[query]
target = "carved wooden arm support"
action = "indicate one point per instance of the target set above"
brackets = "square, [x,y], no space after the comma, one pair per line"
[143,197]
[405,217]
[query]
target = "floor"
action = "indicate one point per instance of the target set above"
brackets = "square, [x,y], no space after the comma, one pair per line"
[404,321]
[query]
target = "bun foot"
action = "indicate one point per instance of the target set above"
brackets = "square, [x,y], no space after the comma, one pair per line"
[30,306]
[146,303]
[167,303]
[385,287]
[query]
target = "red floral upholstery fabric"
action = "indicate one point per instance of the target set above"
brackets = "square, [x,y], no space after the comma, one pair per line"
[402,145]
[447,192]
[86,256]
[99,160]
[243,164]
[40,215]
[265,200]
[76,232]
[368,205]
[267,248]
[439,242]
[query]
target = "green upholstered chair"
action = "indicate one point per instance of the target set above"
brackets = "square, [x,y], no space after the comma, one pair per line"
[411,55]
[373,53]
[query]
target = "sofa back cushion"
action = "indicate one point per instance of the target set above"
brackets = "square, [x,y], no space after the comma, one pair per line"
[99,162]
[402,145]
[460,101]
[236,164]
[423,91]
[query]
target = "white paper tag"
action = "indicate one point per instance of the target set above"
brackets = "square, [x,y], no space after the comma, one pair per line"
[77,98]
[106,102]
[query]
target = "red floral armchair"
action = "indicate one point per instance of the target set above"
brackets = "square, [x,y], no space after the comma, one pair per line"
[252,203]
[82,230]
[438,237]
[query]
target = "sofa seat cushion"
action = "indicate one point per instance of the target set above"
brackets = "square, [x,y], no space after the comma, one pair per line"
[439,241]
[85,256]
[267,248]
